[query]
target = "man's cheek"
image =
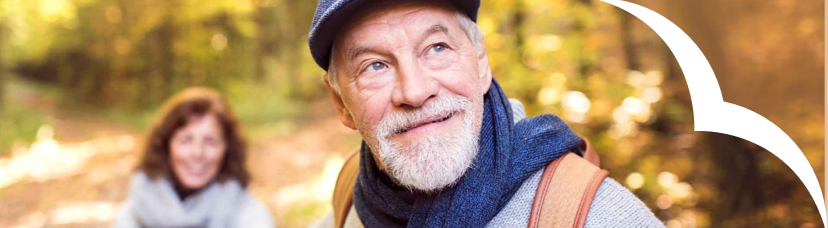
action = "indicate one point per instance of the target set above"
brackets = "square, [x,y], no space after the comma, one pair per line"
[459,81]
[366,118]
[441,62]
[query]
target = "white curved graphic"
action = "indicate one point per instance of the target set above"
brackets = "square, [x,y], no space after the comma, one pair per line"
[711,113]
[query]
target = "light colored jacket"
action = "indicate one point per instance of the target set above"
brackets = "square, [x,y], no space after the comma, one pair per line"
[154,203]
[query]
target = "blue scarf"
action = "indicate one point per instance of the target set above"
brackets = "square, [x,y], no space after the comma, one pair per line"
[509,153]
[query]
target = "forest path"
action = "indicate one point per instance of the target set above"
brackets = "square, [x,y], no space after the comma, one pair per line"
[77,172]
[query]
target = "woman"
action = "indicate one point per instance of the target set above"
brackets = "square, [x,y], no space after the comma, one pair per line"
[193,173]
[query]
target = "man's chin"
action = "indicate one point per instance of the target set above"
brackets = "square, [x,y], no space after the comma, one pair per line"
[429,170]
[429,183]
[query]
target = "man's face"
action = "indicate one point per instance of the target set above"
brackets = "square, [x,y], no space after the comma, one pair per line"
[412,83]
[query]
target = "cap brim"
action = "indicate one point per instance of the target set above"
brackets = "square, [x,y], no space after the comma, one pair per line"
[322,37]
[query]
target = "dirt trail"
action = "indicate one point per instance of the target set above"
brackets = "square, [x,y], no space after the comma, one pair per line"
[76,174]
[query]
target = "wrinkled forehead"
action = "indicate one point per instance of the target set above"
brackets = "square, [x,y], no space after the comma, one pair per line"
[376,16]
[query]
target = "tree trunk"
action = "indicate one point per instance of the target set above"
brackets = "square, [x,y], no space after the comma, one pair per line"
[166,38]
[2,71]
[266,40]
[518,22]
[630,54]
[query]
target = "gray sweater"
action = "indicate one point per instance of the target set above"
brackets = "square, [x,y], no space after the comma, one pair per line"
[613,206]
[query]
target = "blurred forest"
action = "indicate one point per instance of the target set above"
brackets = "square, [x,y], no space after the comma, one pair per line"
[81,79]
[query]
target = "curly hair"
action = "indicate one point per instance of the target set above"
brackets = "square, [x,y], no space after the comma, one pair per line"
[194,102]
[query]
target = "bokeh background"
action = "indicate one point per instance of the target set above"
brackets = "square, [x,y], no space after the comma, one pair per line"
[81,79]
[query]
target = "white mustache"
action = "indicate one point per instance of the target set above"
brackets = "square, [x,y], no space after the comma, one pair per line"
[435,110]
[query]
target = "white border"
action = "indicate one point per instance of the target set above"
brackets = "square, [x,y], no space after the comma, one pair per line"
[711,113]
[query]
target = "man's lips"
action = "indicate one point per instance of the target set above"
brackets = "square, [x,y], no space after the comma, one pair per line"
[426,121]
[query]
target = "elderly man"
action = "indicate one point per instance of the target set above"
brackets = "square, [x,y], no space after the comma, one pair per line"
[443,146]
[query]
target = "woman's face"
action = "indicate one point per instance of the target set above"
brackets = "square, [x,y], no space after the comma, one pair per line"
[197,151]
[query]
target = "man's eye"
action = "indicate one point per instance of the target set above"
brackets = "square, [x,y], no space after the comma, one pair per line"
[375,66]
[437,48]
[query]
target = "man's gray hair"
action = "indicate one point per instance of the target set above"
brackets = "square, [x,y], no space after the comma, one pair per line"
[473,32]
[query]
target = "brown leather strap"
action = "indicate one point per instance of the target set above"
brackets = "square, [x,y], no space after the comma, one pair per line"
[589,153]
[344,189]
[565,193]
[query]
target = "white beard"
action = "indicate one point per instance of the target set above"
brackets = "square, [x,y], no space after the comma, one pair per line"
[437,161]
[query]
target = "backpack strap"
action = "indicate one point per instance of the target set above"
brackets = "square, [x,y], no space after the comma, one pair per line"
[344,189]
[565,192]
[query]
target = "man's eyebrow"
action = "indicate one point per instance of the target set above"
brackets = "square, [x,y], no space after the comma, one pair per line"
[437,28]
[356,51]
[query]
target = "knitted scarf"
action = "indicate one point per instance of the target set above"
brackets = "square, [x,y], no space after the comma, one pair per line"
[155,203]
[508,154]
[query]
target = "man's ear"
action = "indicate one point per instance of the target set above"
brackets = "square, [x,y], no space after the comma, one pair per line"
[484,71]
[344,115]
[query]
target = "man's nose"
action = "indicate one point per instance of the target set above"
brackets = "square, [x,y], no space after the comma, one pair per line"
[414,86]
